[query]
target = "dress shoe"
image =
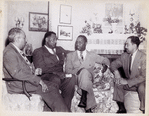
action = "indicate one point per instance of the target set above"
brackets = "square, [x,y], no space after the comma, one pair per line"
[83,100]
[121,111]
[121,108]
[82,104]
[89,111]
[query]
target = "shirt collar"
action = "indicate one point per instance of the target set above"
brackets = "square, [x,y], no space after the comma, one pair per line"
[83,53]
[134,54]
[20,51]
[49,49]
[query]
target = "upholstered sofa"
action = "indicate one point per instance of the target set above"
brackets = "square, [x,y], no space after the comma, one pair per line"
[20,102]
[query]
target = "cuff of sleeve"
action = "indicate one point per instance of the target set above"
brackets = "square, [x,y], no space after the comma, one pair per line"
[129,83]
[36,80]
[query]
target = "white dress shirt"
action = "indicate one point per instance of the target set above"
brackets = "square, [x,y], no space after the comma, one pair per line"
[83,53]
[133,57]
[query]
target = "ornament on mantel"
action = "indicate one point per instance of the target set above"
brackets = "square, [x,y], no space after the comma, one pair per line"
[91,28]
[93,25]
[137,30]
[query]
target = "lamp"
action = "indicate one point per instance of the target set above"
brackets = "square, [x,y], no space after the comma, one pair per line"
[19,22]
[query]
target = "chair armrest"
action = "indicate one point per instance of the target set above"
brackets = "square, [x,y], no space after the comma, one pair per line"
[23,85]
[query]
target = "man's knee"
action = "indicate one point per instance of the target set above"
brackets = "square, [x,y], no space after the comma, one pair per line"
[85,72]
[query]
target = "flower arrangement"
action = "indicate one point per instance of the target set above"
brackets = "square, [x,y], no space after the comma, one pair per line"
[87,29]
[136,29]
[39,21]
[111,20]
[91,28]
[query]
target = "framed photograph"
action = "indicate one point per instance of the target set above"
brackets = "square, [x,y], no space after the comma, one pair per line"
[65,32]
[65,14]
[38,21]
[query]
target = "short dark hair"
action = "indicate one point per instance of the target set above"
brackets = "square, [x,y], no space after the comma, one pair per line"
[84,37]
[134,40]
[47,34]
[13,32]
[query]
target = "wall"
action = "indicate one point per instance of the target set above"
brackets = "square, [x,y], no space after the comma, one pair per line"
[81,10]
[22,9]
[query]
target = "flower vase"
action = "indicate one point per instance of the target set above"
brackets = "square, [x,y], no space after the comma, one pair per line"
[114,27]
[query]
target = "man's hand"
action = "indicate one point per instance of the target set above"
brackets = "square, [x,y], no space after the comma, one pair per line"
[117,74]
[38,71]
[123,81]
[120,81]
[60,74]
[43,85]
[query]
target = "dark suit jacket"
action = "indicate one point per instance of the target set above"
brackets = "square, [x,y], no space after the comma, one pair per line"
[138,72]
[73,64]
[14,66]
[48,62]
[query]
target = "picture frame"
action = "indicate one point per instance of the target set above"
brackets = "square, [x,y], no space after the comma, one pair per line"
[65,14]
[38,22]
[65,32]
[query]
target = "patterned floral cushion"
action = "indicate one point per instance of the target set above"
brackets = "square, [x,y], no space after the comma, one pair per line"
[103,91]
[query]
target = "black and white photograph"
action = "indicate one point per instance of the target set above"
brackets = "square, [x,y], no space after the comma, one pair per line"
[74,57]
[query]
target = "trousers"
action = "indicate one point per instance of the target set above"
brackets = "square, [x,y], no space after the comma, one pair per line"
[84,81]
[119,92]
[56,101]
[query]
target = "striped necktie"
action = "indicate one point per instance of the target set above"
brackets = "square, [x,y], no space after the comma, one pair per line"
[54,52]
[27,61]
[81,56]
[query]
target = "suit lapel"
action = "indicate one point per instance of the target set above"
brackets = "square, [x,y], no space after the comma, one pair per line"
[48,54]
[76,59]
[19,55]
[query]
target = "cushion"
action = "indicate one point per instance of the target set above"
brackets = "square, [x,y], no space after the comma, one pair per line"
[103,91]
[132,102]
[19,102]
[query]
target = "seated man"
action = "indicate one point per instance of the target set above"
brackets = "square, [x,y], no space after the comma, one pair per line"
[50,58]
[134,65]
[81,63]
[16,66]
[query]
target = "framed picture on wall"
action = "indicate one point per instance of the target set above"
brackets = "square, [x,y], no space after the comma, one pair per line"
[65,14]
[38,21]
[65,32]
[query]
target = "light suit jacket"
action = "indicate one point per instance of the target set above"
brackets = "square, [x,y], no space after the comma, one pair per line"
[14,66]
[73,65]
[138,71]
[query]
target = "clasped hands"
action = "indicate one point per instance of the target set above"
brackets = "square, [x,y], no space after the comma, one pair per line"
[118,79]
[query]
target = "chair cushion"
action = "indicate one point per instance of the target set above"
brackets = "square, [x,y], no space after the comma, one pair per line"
[19,102]
[103,91]
[132,102]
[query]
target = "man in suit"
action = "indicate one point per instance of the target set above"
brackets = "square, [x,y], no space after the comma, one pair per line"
[50,58]
[16,66]
[81,63]
[133,62]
